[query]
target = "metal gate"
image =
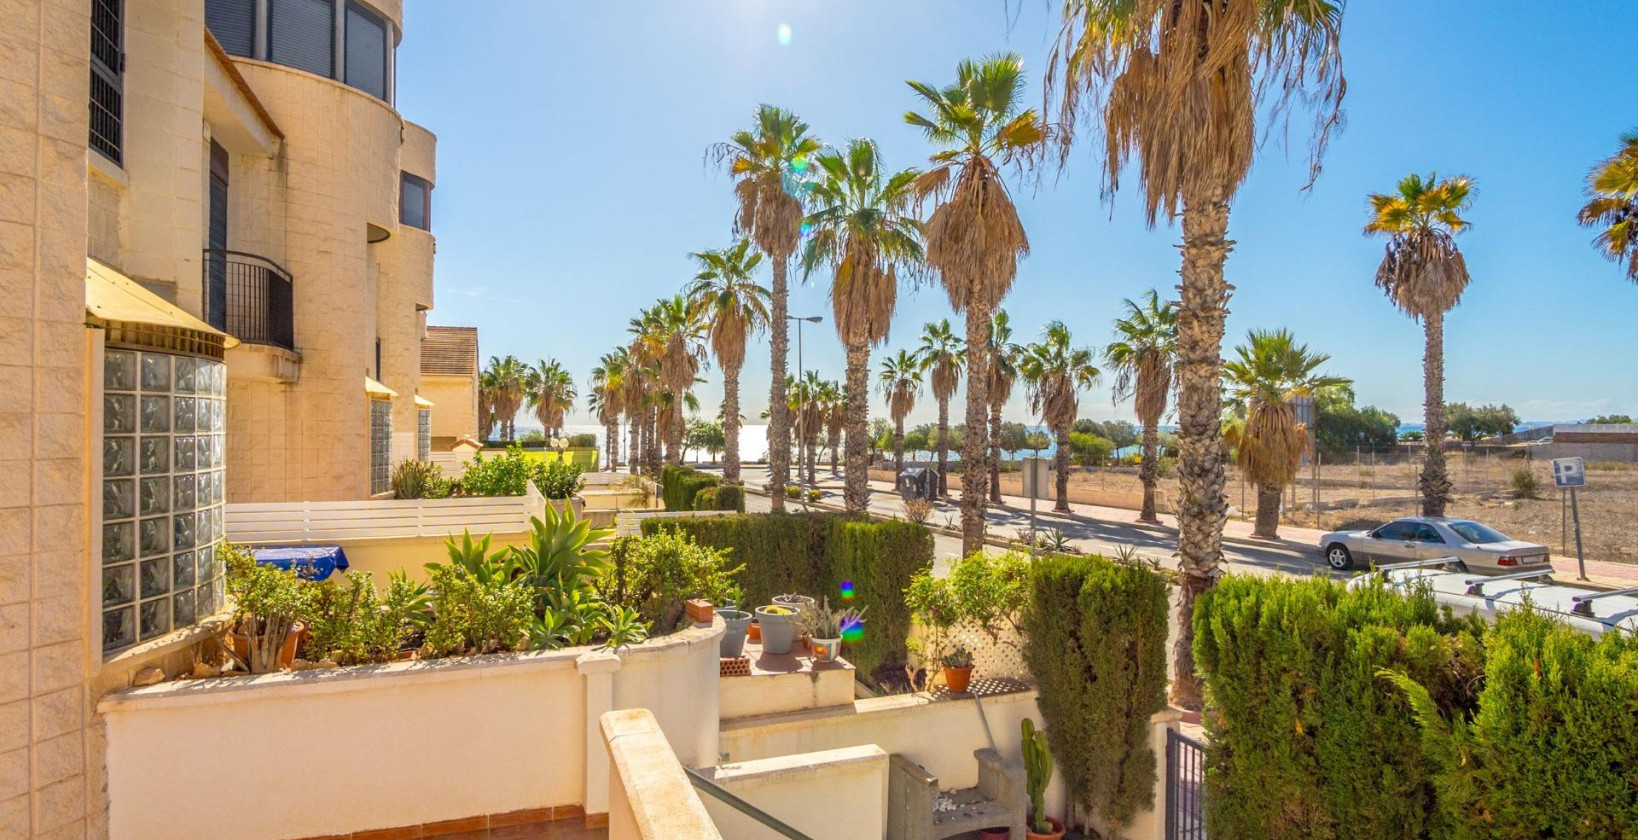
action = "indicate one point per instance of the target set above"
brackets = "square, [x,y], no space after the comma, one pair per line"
[1185,787]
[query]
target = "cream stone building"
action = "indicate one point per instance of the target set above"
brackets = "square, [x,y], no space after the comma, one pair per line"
[449,380]
[216,261]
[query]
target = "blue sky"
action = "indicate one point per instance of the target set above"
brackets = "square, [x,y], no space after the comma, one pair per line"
[571,182]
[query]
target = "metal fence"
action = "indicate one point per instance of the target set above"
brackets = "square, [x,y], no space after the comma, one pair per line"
[249,298]
[1185,787]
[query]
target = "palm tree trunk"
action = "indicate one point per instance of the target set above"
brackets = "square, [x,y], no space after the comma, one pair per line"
[611,443]
[995,452]
[1061,464]
[856,484]
[1434,482]
[730,426]
[1149,471]
[1267,524]
[674,446]
[834,445]
[810,449]
[634,448]
[654,440]
[944,448]
[898,448]
[1202,507]
[974,473]
[779,417]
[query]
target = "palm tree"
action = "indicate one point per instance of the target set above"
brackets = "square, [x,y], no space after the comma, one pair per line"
[606,398]
[900,380]
[679,336]
[732,306]
[1054,372]
[549,389]
[488,385]
[860,228]
[1424,275]
[834,397]
[1003,375]
[767,163]
[1142,356]
[505,384]
[1270,370]
[1180,84]
[806,406]
[974,237]
[1612,205]
[943,354]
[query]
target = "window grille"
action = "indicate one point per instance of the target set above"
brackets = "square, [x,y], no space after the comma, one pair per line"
[107,79]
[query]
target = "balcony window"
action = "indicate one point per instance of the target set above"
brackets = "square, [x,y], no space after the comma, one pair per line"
[415,202]
[366,51]
[163,462]
[233,22]
[301,34]
[304,34]
[380,446]
[108,78]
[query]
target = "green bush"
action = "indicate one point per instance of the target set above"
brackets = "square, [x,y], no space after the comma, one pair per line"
[1095,641]
[813,553]
[731,497]
[706,499]
[477,615]
[655,574]
[1306,740]
[352,624]
[420,480]
[679,486]
[509,474]
[557,480]
[584,440]
[1551,750]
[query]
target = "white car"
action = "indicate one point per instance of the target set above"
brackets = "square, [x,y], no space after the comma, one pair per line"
[1481,548]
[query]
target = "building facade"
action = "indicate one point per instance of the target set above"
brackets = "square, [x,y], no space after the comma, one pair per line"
[449,380]
[216,256]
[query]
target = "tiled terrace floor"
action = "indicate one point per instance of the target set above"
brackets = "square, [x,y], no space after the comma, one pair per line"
[519,825]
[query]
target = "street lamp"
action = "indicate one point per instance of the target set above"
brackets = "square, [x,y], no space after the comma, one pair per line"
[801,407]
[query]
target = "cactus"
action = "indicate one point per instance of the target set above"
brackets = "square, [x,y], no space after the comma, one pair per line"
[1038,773]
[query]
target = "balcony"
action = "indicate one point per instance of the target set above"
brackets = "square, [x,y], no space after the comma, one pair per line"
[248,297]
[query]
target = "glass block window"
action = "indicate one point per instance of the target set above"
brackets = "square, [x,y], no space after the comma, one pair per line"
[423,434]
[163,457]
[380,446]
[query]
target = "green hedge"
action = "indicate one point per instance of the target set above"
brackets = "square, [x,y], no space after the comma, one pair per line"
[1095,641]
[1307,741]
[813,553]
[679,486]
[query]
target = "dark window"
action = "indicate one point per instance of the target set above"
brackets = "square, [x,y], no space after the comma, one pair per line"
[1396,531]
[366,51]
[1423,532]
[233,22]
[415,202]
[216,286]
[301,34]
[107,78]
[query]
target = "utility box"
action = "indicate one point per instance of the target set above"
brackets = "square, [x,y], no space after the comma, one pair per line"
[918,483]
[1037,478]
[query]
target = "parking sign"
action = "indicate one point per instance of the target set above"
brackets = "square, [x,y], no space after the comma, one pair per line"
[1569,472]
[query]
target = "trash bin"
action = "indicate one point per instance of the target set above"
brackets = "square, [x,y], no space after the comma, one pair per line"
[918,483]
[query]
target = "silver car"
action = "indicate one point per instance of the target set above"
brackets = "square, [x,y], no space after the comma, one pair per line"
[1483,549]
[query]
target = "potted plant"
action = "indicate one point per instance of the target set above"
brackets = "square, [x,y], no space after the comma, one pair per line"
[1037,774]
[801,603]
[739,623]
[269,605]
[779,624]
[958,669]
[826,627]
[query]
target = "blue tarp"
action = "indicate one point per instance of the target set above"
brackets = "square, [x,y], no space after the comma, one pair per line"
[314,562]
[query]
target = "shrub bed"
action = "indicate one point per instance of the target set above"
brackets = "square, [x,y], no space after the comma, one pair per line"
[1307,740]
[1095,640]
[813,553]
[680,485]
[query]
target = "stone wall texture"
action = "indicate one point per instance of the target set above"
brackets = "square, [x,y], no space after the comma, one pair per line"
[45,786]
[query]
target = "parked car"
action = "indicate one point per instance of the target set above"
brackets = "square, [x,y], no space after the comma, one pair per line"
[1481,548]
[1541,441]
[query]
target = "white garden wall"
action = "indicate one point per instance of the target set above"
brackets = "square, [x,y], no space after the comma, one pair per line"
[315,753]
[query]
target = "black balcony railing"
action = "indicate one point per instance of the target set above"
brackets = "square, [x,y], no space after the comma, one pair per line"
[248,297]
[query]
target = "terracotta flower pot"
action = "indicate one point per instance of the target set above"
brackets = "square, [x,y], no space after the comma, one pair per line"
[287,651]
[754,632]
[1057,832]
[995,834]
[958,679]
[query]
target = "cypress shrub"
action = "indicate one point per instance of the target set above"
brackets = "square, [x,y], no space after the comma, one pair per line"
[679,486]
[1095,640]
[813,553]
[1552,750]
[731,497]
[706,499]
[1306,740]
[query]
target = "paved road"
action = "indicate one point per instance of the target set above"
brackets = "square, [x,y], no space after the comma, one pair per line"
[1091,534]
